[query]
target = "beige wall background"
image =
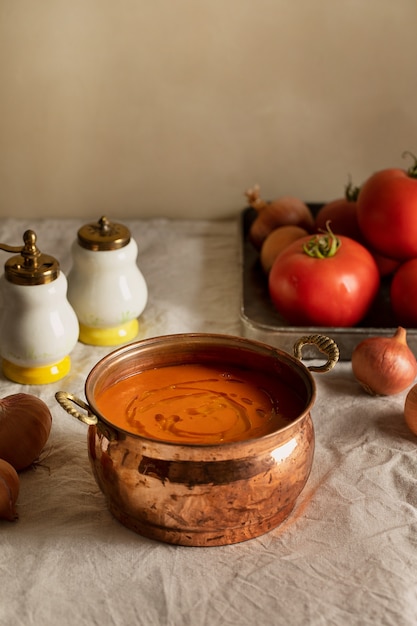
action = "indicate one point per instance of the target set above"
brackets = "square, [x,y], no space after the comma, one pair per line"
[145,108]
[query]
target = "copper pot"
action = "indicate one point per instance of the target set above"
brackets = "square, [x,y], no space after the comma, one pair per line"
[201,495]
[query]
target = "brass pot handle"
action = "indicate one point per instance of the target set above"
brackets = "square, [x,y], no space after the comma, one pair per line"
[66,400]
[326,345]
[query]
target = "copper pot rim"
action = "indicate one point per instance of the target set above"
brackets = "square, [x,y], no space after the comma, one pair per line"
[117,356]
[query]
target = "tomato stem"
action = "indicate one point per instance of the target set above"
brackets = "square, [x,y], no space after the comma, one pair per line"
[351,192]
[322,246]
[412,170]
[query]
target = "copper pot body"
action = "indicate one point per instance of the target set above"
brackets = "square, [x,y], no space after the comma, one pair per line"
[200,495]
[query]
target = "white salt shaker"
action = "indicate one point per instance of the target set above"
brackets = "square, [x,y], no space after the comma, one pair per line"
[105,286]
[38,326]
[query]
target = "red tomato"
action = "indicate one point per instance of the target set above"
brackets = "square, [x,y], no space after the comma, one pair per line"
[333,291]
[385,265]
[342,215]
[387,212]
[403,294]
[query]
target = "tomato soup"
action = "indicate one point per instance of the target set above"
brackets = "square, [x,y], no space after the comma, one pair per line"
[199,403]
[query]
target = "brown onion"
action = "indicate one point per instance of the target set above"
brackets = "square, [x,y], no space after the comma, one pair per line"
[25,424]
[280,212]
[410,409]
[384,365]
[276,242]
[9,491]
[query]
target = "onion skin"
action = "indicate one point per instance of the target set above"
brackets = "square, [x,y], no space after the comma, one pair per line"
[286,210]
[276,242]
[384,365]
[9,491]
[410,409]
[25,425]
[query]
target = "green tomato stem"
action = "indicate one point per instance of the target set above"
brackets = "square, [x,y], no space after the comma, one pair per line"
[323,246]
[412,170]
[351,192]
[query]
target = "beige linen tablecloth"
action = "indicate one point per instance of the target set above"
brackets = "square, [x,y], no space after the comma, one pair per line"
[347,555]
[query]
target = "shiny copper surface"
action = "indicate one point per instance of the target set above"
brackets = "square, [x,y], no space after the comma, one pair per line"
[201,495]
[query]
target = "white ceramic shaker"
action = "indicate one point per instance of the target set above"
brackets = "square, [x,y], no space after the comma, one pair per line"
[38,326]
[105,286]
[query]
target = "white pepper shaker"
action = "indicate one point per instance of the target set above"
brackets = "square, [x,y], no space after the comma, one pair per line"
[38,326]
[105,286]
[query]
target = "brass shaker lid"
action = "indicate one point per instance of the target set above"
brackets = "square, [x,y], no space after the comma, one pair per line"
[103,235]
[30,267]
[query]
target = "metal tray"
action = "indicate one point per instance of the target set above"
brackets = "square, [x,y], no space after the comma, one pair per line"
[261,321]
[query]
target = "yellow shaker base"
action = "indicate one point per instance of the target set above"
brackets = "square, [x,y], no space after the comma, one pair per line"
[109,336]
[36,375]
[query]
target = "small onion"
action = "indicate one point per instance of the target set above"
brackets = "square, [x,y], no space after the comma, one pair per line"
[410,409]
[9,491]
[276,242]
[25,425]
[384,365]
[286,210]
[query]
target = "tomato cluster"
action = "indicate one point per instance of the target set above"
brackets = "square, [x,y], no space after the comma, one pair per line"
[331,276]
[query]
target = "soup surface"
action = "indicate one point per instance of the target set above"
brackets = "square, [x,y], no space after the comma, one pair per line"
[197,403]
